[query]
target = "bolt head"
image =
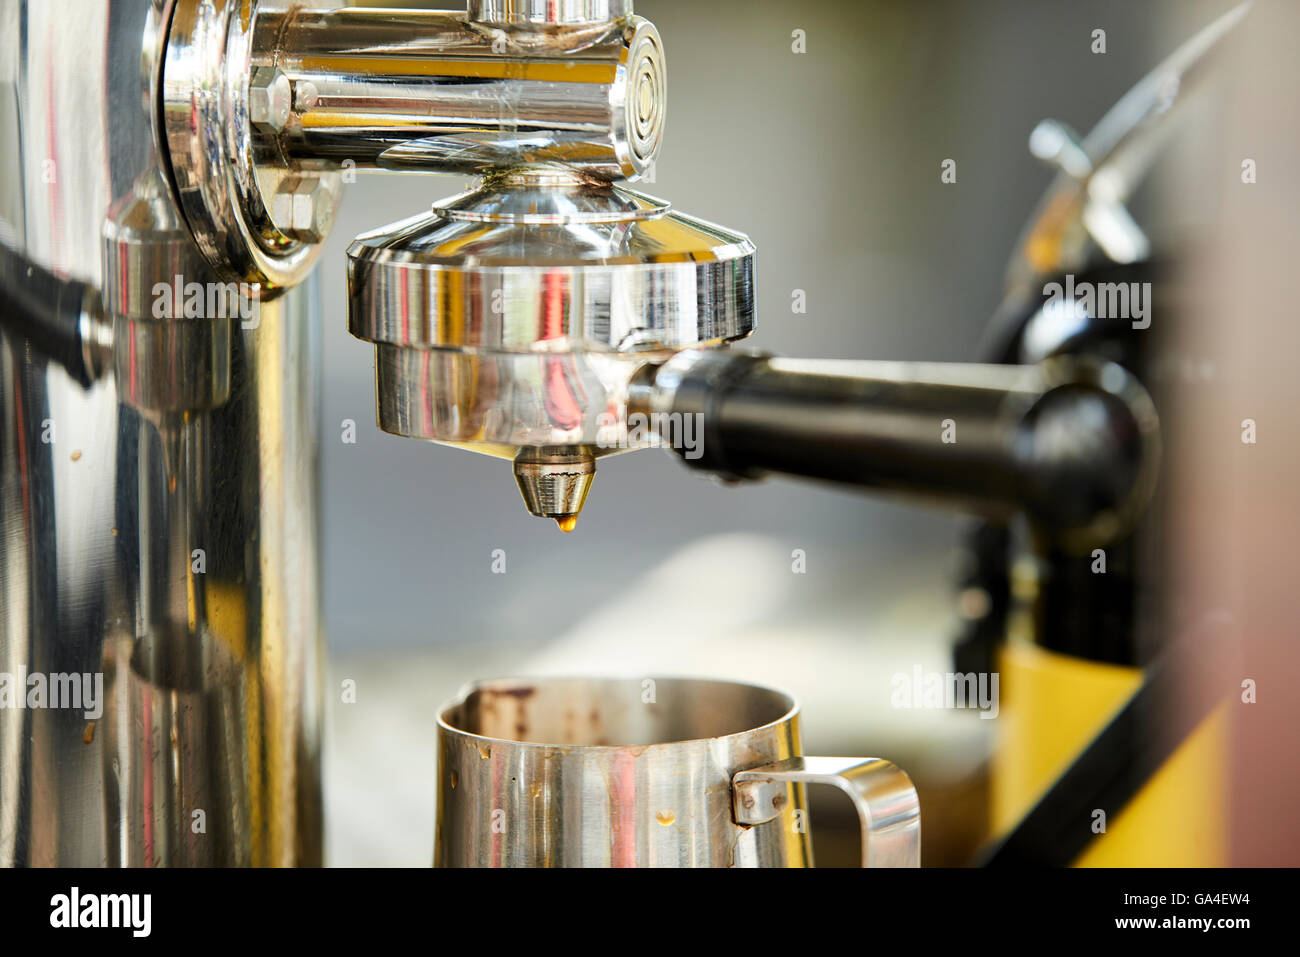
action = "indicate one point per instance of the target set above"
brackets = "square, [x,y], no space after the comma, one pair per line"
[303,209]
[270,98]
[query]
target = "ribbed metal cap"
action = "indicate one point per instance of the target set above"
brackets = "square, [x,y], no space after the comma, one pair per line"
[555,482]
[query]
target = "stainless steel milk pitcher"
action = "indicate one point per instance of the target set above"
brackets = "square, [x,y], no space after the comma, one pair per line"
[654,772]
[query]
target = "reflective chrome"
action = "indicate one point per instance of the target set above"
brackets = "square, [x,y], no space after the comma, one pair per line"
[585,268]
[422,89]
[266,104]
[226,196]
[513,316]
[158,527]
[496,403]
[662,772]
[889,814]
[548,11]
[554,481]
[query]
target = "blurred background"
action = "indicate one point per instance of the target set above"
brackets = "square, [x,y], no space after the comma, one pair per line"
[830,161]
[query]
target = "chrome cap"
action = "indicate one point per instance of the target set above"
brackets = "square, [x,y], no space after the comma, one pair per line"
[550,295]
[551,269]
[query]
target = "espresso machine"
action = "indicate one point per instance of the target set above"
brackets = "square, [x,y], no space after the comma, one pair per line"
[173,168]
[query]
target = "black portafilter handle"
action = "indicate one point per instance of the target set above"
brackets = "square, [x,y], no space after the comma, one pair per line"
[1072,442]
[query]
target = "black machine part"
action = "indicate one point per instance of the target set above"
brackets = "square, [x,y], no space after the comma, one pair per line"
[52,313]
[1073,443]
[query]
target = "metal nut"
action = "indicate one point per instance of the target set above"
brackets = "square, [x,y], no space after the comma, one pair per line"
[303,209]
[270,98]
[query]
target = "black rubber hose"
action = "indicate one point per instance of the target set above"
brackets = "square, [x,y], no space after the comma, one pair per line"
[45,310]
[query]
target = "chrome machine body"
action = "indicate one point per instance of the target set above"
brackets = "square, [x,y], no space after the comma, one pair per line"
[171,169]
[157,515]
[157,523]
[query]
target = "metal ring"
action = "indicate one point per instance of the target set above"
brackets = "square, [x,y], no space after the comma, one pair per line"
[209,146]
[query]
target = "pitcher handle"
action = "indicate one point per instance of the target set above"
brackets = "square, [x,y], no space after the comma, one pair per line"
[886,801]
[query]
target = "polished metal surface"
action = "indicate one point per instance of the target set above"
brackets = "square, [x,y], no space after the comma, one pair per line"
[157,527]
[157,513]
[585,269]
[267,107]
[498,403]
[513,316]
[889,815]
[212,54]
[548,11]
[554,481]
[592,772]
[145,241]
[436,91]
